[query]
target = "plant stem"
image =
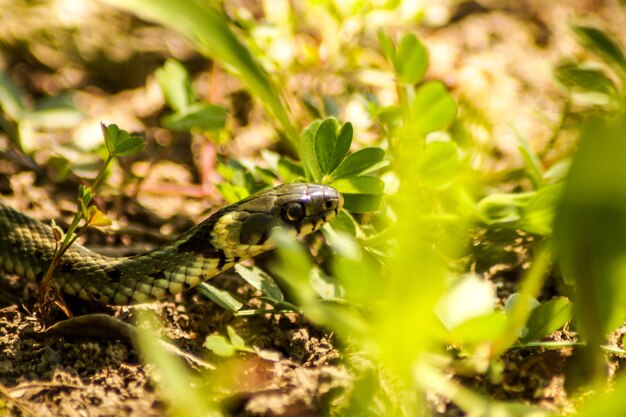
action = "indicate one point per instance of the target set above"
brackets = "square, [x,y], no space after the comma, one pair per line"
[68,240]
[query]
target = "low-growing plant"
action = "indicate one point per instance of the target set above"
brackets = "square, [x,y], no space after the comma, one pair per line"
[119,143]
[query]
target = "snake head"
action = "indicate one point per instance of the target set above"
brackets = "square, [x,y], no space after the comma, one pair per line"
[245,229]
[305,208]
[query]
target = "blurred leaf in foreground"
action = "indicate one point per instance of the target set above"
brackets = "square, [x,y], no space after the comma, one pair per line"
[590,234]
[210,31]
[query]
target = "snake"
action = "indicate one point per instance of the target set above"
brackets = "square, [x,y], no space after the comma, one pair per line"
[232,234]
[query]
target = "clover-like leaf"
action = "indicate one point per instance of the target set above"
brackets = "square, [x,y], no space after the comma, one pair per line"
[307,152]
[219,345]
[119,142]
[359,185]
[361,162]
[411,59]
[433,108]
[129,146]
[361,194]
[237,341]
[331,147]
[439,163]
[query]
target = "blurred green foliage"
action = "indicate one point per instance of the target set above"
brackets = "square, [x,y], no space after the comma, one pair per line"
[399,283]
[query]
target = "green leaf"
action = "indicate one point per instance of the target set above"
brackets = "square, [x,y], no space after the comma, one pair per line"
[210,30]
[538,214]
[11,100]
[360,194]
[85,195]
[360,162]
[390,117]
[359,185]
[439,164]
[260,280]
[112,136]
[236,340]
[411,60]
[608,403]
[597,41]
[344,222]
[433,108]
[176,378]
[324,286]
[58,112]
[175,85]
[307,152]
[362,203]
[469,297]
[532,212]
[387,46]
[485,328]
[590,233]
[58,168]
[220,297]
[330,147]
[119,142]
[232,193]
[548,317]
[129,146]
[501,208]
[289,170]
[311,106]
[344,140]
[331,106]
[219,345]
[558,171]
[201,116]
[573,76]
[354,270]
[533,164]
[511,302]
[325,142]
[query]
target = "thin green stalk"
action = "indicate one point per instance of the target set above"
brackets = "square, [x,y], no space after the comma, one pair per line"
[70,237]
[530,287]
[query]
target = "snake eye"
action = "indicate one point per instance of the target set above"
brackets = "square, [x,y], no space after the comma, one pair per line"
[293,212]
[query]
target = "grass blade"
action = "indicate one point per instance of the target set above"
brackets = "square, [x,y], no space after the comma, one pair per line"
[210,31]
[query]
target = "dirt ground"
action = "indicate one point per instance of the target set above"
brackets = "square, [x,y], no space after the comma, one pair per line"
[495,53]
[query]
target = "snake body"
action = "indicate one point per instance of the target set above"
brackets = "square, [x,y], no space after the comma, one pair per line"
[232,234]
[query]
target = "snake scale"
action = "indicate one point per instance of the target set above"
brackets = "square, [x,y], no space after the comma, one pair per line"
[232,234]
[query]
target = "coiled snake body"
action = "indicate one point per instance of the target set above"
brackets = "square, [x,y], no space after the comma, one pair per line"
[234,233]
